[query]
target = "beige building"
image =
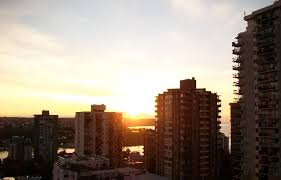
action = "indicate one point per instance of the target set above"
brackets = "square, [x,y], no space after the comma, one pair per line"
[187,129]
[99,133]
[256,112]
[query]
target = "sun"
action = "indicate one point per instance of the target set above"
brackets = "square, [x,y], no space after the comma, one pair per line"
[132,113]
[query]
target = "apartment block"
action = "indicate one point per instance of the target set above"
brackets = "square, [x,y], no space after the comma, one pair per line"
[150,150]
[20,148]
[45,136]
[258,54]
[236,141]
[99,133]
[223,143]
[187,129]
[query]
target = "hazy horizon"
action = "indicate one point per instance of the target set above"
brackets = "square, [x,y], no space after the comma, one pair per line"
[66,55]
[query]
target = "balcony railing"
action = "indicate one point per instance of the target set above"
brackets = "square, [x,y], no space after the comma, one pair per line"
[237,44]
[236,68]
[236,51]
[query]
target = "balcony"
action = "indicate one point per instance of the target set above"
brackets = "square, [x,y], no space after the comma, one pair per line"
[237,44]
[237,84]
[237,92]
[263,43]
[265,52]
[236,60]
[236,51]
[237,75]
[238,36]
[236,68]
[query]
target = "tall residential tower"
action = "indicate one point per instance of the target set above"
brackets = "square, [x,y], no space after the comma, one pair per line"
[187,130]
[256,113]
[45,137]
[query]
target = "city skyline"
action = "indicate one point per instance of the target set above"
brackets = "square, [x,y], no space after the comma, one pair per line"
[117,53]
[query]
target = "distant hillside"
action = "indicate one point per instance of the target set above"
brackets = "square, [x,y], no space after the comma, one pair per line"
[139,122]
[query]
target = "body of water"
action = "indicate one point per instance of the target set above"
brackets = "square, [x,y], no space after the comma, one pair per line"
[142,127]
[3,155]
[67,150]
[134,149]
[225,128]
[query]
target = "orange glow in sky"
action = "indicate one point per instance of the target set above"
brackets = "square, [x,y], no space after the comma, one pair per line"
[118,54]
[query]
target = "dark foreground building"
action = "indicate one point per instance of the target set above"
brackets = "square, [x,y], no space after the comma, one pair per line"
[45,137]
[187,129]
[255,115]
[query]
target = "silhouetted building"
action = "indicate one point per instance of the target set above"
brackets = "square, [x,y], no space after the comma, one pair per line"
[150,150]
[187,129]
[258,52]
[224,164]
[236,140]
[45,136]
[20,148]
[224,142]
[99,133]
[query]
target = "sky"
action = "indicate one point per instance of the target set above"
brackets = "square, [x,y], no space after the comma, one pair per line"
[66,55]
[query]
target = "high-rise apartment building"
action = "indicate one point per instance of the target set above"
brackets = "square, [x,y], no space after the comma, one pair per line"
[150,150]
[187,129]
[45,136]
[256,112]
[236,141]
[99,133]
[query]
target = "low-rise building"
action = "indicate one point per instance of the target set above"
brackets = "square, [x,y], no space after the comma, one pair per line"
[95,167]
[74,166]
[20,148]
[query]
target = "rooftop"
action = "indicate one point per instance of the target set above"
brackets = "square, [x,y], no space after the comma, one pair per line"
[276,4]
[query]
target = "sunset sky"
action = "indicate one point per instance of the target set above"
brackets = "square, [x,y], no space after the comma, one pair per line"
[65,55]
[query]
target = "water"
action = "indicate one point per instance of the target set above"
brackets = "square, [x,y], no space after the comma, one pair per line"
[225,128]
[134,149]
[3,155]
[142,127]
[67,150]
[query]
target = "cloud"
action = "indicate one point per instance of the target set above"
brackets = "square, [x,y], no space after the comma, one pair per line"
[20,39]
[207,9]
